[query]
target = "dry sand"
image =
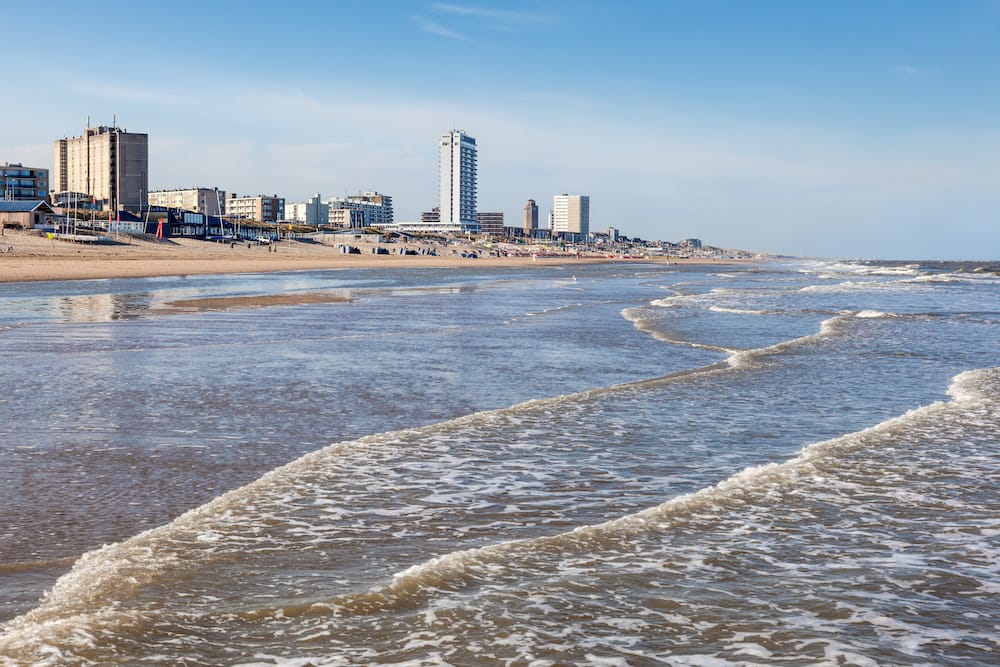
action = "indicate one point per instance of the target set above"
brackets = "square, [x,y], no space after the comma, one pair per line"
[27,256]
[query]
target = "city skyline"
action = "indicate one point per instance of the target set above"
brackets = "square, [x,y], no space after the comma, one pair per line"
[850,129]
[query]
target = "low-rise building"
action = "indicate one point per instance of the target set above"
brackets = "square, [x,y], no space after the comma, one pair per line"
[346,218]
[24,183]
[490,223]
[25,213]
[210,201]
[261,208]
[376,207]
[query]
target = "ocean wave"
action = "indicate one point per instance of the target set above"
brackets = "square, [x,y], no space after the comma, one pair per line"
[960,277]
[873,269]
[648,326]
[456,569]
[743,311]
[81,604]
[745,358]
[872,314]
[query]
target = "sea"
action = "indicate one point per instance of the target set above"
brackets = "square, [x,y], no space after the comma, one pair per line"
[783,463]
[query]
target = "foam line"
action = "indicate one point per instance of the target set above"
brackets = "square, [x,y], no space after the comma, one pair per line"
[127,566]
[449,571]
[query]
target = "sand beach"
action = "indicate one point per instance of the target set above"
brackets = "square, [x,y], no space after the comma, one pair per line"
[29,256]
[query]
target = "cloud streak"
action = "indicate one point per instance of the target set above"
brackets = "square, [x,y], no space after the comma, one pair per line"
[434,28]
[498,16]
[911,70]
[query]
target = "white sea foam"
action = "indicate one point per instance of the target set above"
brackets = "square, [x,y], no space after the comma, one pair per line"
[746,358]
[945,278]
[647,325]
[741,311]
[453,568]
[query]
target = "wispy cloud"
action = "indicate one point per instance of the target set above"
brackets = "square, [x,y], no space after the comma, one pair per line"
[911,70]
[438,29]
[473,18]
[509,18]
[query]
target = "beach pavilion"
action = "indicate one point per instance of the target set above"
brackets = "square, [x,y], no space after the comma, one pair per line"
[25,214]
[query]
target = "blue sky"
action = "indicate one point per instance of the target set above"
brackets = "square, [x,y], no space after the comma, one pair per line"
[850,128]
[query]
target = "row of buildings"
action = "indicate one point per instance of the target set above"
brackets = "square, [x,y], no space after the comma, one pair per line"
[107,169]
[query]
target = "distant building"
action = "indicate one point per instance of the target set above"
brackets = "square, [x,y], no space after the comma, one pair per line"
[18,182]
[313,212]
[260,208]
[490,223]
[107,163]
[571,214]
[375,206]
[457,176]
[317,211]
[612,234]
[210,201]
[432,216]
[692,243]
[295,212]
[74,200]
[347,218]
[530,217]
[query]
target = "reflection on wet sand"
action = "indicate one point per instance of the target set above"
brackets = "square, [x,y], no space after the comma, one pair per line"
[228,302]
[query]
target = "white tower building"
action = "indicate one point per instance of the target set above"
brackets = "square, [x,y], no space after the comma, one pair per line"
[457,181]
[571,214]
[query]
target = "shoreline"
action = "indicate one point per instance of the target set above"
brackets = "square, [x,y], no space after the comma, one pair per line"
[34,258]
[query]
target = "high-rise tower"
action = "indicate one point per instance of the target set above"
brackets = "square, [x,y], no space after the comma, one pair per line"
[530,217]
[106,163]
[571,214]
[457,181]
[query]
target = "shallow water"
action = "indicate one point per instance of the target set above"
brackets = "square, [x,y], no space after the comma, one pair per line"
[619,464]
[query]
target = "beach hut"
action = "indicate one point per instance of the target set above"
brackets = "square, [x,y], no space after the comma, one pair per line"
[25,214]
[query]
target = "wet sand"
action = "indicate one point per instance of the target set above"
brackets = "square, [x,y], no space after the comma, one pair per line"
[229,302]
[33,257]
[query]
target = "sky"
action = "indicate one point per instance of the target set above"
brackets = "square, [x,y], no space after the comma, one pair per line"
[848,128]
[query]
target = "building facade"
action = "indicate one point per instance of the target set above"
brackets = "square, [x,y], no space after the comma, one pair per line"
[210,201]
[347,218]
[295,212]
[18,182]
[25,213]
[530,216]
[457,181]
[375,206]
[261,208]
[106,163]
[571,214]
[313,212]
[491,223]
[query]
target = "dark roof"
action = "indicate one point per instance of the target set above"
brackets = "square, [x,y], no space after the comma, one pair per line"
[23,206]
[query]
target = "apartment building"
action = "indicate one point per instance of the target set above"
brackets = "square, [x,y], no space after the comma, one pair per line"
[108,164]
[210,201]
[571,214]
[457,181]
[375,206]
[490,223]
[19,182]
[260,208]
